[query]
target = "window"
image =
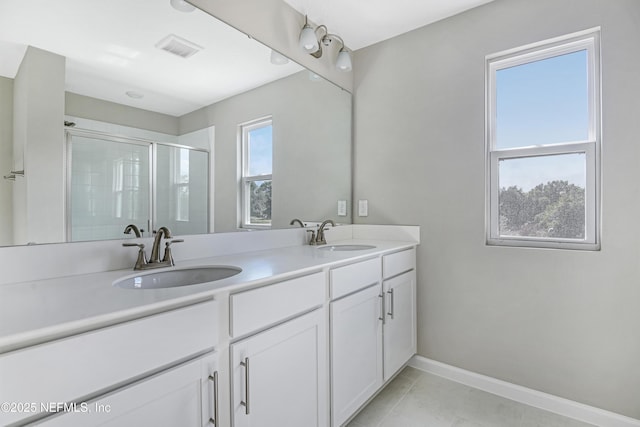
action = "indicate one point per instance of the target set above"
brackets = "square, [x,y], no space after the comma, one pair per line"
[257,155]
[543,144]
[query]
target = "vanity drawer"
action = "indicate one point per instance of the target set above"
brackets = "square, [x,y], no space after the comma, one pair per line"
[399,262]
[350,278]
[258,308]
[70,369]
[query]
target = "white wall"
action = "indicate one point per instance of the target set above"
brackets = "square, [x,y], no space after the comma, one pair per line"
[563,322]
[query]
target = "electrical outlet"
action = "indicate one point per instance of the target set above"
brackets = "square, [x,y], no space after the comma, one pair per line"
[363,208]
[342,208]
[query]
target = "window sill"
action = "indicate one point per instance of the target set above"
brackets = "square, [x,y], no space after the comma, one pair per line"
[543,244]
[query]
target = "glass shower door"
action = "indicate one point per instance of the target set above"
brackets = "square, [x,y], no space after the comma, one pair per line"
[182,190]
[109,186]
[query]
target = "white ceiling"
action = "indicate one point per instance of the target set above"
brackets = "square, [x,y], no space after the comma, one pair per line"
[110,49]
[110,44]
[361,23]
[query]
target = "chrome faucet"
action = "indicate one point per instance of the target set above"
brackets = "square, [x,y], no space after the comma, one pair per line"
[320,240]
[154,261]
[294,220]
[132,227]
[155,249]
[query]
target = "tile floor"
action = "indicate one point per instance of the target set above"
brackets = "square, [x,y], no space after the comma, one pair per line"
[415,398]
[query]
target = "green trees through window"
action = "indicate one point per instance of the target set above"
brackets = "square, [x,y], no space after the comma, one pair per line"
[260,202]
[554,209]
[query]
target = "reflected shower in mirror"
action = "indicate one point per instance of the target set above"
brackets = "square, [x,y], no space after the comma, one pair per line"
[145,72]
[144,181]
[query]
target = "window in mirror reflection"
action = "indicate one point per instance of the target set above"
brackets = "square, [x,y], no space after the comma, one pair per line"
[257,168]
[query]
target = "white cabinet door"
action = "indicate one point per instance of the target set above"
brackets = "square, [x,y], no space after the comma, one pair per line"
[356,351]
[91,363]
[183,396]
[279,376]
[400,322]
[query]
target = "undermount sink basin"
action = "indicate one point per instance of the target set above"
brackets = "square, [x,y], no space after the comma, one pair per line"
[346,247]
[177,277]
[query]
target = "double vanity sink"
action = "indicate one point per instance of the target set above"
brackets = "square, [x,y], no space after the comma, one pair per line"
[197,275]
[195,330]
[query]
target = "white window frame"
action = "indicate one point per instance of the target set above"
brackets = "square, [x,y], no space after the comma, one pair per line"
[588,40]
[245,178]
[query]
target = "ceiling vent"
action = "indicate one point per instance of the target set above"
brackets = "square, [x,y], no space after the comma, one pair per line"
[178,46]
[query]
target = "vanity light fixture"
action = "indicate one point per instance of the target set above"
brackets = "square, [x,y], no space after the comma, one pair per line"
[308,40]
[182,6]
[343,62]
[310,43]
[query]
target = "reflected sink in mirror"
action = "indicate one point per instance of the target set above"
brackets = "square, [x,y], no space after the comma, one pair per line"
[177,277]
[346,247]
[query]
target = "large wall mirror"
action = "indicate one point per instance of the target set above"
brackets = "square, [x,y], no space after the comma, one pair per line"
[118,112]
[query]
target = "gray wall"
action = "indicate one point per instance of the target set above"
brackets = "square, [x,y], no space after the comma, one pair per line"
[38,148]
[6,159]
[311,154]
[111,112]
[563,322]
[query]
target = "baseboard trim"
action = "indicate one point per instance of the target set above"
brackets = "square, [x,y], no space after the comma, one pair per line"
[538,399]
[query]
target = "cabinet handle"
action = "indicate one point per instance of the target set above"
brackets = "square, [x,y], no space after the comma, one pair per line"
[245,403]
[391,305]
[382,311]
[214,378]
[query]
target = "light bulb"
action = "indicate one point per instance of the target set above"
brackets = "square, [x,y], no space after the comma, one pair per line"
[343,62]
[308,41]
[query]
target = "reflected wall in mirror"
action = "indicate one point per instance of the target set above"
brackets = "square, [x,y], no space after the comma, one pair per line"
[80,67]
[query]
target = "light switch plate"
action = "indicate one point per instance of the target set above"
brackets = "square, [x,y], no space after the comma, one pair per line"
[363,208]
[342,208]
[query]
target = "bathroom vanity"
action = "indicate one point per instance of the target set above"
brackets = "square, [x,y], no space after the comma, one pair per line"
[303,335]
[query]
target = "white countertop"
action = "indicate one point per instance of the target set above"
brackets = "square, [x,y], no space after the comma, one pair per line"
[39,311]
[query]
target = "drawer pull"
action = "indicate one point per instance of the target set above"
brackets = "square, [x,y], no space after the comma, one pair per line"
[391,305]
[245,402]
[214,378]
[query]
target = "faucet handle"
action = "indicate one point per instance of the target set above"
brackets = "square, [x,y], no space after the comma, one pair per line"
[142,257]
[312,240]
[168,257]
[140,245]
